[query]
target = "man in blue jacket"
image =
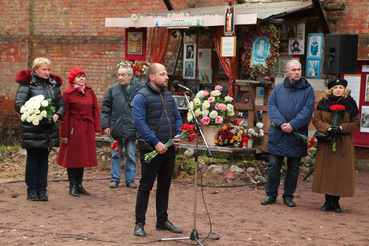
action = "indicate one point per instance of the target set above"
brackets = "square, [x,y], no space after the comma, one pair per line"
[290,107]
[147,107]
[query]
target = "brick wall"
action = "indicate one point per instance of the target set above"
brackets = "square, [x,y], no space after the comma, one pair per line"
[354,19]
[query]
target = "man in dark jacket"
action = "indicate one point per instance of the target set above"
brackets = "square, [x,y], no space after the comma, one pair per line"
[116,119]
[147,107]
[290,108]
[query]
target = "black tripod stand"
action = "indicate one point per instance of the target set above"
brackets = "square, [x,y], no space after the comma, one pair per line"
[194,234]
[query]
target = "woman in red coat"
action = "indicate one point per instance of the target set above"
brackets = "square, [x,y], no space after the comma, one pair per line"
[80,124]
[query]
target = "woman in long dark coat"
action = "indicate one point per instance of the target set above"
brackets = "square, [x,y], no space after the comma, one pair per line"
[38,139]
[81,123]
[334,172]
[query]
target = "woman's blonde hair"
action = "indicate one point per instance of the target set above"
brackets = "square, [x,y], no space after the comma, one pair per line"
[39,61]
[327,93]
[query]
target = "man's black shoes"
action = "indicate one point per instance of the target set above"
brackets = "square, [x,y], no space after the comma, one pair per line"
[167,225]
[267,201]
[289,202]
[139,230]
[32,196]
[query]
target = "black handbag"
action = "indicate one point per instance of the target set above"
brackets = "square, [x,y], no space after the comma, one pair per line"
[144,146]
[321,136]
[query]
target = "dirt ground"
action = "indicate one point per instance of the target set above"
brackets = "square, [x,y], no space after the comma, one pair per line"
[106,217]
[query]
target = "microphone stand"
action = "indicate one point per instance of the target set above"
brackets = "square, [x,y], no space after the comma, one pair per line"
[194,234]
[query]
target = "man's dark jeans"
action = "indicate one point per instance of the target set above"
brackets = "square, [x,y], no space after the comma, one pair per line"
[36,170]
[274,175]
[162,166]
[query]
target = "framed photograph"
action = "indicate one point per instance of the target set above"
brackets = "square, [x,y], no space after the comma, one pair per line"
[313,68]
[189,70]
[191,38]
[260,51]
[314,46]
[204,56]
[244,74]
[364,126]
[229,19]
[225,85]
[190,51]
[135,44]
[205,40]
[205,75]
[296,47]
[283,46]
[181,102]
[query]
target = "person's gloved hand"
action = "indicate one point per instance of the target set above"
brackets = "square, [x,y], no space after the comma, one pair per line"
[334,131]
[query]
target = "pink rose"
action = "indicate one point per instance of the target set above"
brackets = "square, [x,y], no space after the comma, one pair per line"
[205,120]
[205,94]
[218,88]
[218,120]
[211,99]
[221,106]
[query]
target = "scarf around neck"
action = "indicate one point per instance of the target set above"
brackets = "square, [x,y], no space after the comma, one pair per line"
[348,102]
[81,88]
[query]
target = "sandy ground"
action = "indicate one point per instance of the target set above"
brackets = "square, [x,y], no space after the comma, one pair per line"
[106,217]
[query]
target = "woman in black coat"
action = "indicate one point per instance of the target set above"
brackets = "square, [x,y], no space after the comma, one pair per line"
[38,139]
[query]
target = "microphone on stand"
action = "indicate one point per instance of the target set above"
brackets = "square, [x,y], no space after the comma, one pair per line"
[176,84]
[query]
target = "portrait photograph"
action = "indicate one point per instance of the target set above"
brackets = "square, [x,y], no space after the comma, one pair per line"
[181,102]
[190,51]
[296,47]
[364,126]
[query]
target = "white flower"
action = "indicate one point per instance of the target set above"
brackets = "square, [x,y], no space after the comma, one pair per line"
[43,114]
[23,117]
[37,105]
[198,112]
[228,99]
[34,116]
[45,103]
[230,113]
[23,109]
[197,101]
[26,114]
[37,111]
[191,105]
[205,112]
[39,117]
[213,114]
[35,122]
[38,99]
[30,110]
[29,119]
[205,105]
[215,93]
[259,125]
[27,103]
[134,17]
[189,117]
[199,94]
[230,107]
[261,133]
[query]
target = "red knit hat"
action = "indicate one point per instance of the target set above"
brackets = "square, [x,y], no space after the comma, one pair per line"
[74,73]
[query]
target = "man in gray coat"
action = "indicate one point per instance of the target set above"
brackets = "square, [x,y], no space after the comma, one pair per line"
[116,119]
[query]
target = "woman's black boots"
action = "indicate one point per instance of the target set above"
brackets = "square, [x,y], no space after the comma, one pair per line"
[328,204]
[72,177]
[80,188]
[336,206]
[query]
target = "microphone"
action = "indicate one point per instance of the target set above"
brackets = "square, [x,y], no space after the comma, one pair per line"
[176,84]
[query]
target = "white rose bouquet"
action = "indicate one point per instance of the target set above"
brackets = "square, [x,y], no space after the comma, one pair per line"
[38,110]
[210,109]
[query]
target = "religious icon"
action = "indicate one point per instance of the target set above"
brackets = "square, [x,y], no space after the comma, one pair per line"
[229,20]
[260,51]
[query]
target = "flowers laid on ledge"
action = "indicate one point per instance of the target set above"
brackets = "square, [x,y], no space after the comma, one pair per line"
[210,108]
[139,68]
[251,34]
[229,135]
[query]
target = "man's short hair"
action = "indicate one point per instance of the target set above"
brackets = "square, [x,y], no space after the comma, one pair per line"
[129,69]
[292,61]
[152,69]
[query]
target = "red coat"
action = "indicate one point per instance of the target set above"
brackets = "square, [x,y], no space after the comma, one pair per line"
[80,122]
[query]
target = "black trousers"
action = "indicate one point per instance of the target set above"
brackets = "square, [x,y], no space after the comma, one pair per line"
[161,166]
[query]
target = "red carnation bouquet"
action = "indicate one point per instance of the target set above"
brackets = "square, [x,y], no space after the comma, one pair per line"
[186,131]
[308,141]
[114,144]
[337,111]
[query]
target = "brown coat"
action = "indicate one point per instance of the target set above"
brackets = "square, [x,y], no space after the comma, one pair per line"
[334,172]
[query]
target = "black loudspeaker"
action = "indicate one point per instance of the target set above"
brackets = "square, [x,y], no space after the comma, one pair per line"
[340,53]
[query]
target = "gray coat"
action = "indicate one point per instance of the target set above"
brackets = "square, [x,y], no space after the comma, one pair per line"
[117,113]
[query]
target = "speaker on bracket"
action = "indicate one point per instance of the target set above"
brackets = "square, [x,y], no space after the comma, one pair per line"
[340,53]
